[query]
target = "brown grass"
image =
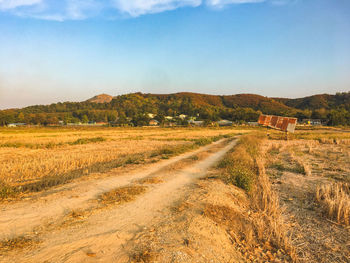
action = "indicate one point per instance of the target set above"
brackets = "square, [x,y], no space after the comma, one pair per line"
[143,255]
[19,242]
[86,151]
[122,195]
[267,220]
[224,215]
[150,180]
[335,200]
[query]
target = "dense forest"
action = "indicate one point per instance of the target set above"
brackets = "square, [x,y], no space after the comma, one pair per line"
[135,109]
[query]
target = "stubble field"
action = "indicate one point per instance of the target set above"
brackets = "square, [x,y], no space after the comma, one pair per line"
[174,195]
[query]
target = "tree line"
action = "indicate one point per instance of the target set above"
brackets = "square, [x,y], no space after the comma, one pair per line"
[134,109]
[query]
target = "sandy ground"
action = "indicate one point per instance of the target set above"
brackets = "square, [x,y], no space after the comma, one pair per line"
[103,234]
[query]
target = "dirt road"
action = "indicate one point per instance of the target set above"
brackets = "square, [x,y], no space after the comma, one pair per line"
[100,236]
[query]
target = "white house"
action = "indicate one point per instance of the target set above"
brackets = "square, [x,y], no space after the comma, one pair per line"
[16,124]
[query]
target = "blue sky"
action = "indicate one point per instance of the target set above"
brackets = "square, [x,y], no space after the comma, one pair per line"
[63,50]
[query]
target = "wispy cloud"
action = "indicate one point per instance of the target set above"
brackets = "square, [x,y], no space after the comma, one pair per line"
[61,10]
[221,3]
[141,7]
[12,4]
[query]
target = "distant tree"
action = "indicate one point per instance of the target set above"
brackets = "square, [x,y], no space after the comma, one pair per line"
[85,119]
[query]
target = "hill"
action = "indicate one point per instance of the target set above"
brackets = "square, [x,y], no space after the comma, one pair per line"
[102,98]
[321,101]
[134,109]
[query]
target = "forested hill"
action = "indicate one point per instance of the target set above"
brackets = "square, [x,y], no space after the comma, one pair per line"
[135,108]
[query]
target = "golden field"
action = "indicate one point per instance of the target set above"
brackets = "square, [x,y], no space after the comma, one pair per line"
[29,154]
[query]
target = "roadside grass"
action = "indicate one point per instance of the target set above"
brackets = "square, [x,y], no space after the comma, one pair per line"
[244,167]
[239,165]
[335,201]
[122,195]
[6,191]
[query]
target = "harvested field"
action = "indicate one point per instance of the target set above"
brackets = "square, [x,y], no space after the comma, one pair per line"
[308,176]
[176,195]
[35,159]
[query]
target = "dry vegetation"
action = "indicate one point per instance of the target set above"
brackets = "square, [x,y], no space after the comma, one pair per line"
[335,199]
[244,167]
[20,242]
[232,216]
[267,200]
[122,195]
[36,159]
[311,174]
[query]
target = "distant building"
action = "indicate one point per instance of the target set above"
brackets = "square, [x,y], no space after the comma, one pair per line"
[225,123]
[196,123]
[16,124]
[168,118]
[151,115]
[253,123]
[182,116]
[153,123]
[313,122]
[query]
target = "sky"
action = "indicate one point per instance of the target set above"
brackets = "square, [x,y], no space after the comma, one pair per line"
[71,50]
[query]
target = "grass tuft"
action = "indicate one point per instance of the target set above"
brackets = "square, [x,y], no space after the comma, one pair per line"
[335,200]
[122,195]
[19,242]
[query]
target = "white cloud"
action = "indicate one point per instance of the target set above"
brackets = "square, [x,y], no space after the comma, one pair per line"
[58,10]
[11,4]
[221,3]
[61,10]
[141,7]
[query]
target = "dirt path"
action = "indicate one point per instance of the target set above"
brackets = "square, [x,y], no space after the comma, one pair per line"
[100,238]
[21,217]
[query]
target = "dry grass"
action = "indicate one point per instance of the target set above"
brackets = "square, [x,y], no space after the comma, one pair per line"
[143,255]
[245,167]
[323,136]
[19,242]
[57,156]
[335,200]
[150,180]
[269,221]
[310,157]
[122,195]
[224,215]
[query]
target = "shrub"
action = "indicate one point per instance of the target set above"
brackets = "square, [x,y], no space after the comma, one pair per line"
[6,190]
[203,141]
[241,177]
